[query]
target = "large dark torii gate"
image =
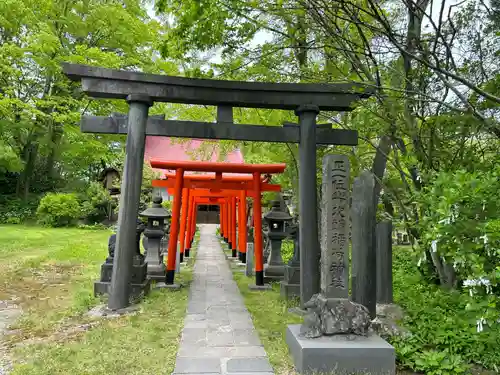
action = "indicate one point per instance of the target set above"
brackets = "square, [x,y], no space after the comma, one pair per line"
[142,90]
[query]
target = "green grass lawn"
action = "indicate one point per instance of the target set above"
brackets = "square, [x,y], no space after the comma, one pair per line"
[50,274]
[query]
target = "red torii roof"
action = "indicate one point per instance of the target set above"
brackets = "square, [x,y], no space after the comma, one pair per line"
[204,166]
[166,148]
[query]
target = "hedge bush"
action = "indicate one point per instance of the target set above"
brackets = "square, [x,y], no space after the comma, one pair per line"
[59,210]
[96,203]
[16,211]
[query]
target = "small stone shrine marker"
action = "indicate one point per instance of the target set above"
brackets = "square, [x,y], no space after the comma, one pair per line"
[335,228]
[335,336]
[249,263]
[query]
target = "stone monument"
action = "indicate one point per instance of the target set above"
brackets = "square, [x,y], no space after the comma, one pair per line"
[364,274]
[290,287]
[335,336]
[154,233]
[250,253]
[384,262]
[140,283]
[276,219]
[250,260]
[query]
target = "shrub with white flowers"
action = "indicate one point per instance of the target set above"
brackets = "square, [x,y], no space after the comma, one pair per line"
[461,225]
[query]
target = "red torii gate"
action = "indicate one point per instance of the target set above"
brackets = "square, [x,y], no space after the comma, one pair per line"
[207,186]
[217,183]
[253,187]
[227,201]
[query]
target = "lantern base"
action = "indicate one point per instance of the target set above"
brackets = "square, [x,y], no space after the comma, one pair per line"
[260,287]
[136,290]
[275,272]
[167,286]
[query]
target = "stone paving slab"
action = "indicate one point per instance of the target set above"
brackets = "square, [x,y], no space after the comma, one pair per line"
[218,335]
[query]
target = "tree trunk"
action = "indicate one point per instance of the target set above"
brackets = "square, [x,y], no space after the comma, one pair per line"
[56,132]
[30,153]
[379,166]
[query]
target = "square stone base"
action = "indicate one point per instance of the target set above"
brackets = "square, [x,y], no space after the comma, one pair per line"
[102,287]
[289,290]
[158,277]
[162,285]
[260,287]
[340,355]
[157,272]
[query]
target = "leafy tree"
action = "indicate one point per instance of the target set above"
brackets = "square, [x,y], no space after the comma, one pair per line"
[39,108]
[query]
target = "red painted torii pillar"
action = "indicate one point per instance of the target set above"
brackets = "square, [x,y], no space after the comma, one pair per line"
[257,170]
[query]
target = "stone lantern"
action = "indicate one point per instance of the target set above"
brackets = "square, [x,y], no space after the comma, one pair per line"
[154,232]
[276,219]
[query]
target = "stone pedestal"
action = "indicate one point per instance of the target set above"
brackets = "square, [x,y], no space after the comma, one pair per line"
[290,287]
[275,268]
[140,283]
[340,354]
[266,246]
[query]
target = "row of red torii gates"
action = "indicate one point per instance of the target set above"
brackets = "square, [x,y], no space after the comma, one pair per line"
[229,192]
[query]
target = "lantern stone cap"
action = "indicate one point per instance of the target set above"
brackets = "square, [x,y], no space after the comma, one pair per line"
[156,210]
[276,213]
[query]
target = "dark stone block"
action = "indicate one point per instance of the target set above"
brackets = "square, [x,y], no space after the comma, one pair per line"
[137,290]
[139,273]
[106,271]
[292,275]
[289,291]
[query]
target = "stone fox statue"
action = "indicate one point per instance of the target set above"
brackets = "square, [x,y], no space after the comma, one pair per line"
[330,316]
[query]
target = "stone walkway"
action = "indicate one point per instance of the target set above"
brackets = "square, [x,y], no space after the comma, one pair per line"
[218,335]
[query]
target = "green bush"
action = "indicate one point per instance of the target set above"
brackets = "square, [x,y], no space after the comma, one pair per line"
[15,211]
[461,225]
[167,205]
[59,209]
[96,203]
[287,250]
[444,337]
